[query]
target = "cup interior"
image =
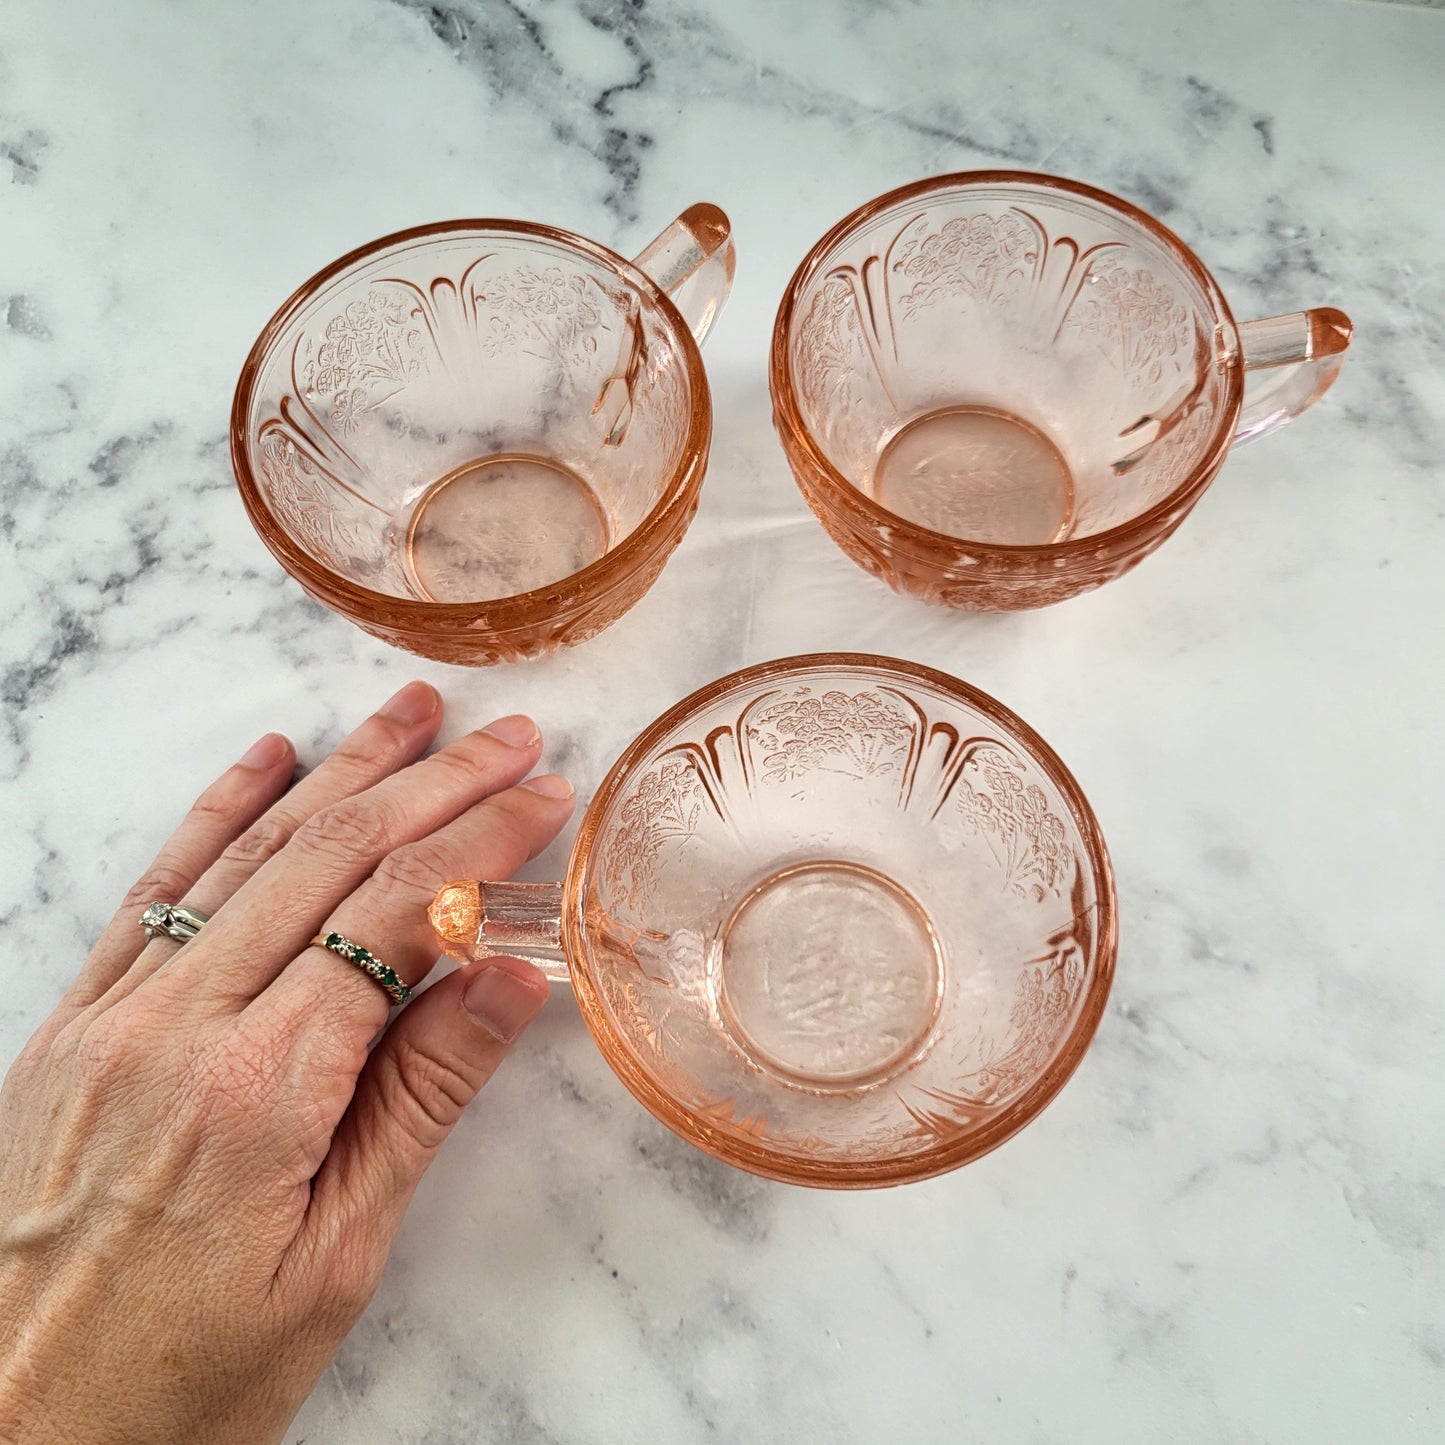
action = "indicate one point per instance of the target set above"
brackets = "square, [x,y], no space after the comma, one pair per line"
[1015,361]
[841,920]
[468,413]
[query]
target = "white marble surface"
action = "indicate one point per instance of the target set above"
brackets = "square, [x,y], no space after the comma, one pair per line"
[1229,1226]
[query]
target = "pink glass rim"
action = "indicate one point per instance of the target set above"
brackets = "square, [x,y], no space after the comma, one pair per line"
[520,610]
[790,414]
[774,1163]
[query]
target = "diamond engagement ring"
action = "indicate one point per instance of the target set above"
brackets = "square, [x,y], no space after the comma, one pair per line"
[175,920]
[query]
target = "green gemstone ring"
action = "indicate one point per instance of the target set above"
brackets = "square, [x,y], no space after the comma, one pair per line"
[367,962]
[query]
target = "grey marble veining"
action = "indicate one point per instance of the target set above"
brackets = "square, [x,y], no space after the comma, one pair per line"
[1228,1227]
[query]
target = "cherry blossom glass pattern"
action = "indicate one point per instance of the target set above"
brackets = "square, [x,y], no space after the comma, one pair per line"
[840,920]
[998,390]
[482,440]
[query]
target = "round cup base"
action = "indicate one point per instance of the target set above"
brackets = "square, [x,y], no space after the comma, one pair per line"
[500,526]
[977,473]
[829,975]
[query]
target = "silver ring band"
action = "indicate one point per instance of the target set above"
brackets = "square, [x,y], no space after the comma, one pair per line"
[174,920]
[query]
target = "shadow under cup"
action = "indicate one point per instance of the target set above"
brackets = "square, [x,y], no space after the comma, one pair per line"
[997,390]
[480,440]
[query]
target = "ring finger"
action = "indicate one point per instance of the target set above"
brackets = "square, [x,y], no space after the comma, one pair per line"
[325,1001]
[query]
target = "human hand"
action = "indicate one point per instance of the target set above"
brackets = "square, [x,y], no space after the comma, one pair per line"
[202,1165]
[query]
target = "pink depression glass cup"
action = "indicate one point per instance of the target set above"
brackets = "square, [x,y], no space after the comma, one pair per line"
[839,920]
[481,440]
[997,390]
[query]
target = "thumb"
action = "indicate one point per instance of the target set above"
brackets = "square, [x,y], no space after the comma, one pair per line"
[430,1064]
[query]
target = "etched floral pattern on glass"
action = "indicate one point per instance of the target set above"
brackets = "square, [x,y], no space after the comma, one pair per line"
[843,914]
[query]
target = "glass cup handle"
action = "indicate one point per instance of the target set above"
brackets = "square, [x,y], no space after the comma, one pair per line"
[475,920]
[1304,351]
[693,260]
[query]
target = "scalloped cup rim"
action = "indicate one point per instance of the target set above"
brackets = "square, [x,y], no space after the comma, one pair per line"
[779,1164]
[909,536]
[414,616]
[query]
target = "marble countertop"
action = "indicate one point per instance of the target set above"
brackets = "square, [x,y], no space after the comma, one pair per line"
[1229,1225]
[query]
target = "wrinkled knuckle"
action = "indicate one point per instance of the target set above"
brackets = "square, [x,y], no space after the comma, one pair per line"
[472,765]
[107,1047]
[163,881]
[350,830]
[260,842]
[426,1094]
[29,1063]
[222,802]
[235,1080]
[467,757]
[370,751]
[418,868]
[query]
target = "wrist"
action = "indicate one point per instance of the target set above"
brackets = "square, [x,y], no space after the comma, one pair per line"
[42,1398]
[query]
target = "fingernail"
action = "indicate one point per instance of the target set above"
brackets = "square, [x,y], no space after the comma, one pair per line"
[549,785]
[501,1002]
[517,731]
[265,753]
[415,703]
